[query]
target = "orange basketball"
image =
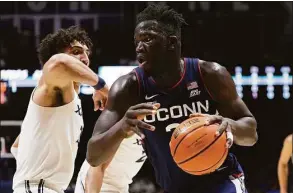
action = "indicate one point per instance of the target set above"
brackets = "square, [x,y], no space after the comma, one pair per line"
[196,149]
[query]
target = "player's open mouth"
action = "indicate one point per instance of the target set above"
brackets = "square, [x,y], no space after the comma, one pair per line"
[141,61]
[141,58]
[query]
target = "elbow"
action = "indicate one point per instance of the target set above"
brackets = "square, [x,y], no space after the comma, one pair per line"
[249,138]
[56,63]
[91,160]
[247,141]
[59,58]
[252,138]
[92,155]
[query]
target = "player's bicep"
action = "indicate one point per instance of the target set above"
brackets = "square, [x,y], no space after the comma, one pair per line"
[105,121]
[234,109]
[222,88]
[54,71]
[122,95]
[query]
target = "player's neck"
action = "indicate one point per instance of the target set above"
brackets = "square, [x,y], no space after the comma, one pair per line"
[171,75]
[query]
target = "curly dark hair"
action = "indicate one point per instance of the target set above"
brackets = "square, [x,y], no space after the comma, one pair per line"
[56,43]
[171,21]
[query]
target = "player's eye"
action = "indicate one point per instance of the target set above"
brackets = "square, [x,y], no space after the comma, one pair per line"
[148,39]
[75,52]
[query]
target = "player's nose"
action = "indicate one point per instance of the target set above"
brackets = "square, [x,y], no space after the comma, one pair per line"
[139,48]
[85,60]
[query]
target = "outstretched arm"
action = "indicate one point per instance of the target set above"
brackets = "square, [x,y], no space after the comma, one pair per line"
[62,69]
[286,153]
[221,87]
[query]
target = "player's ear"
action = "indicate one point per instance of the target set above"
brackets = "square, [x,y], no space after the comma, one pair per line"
[172,42]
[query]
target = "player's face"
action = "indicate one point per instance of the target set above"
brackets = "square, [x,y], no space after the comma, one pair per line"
[79,51]
[150,46]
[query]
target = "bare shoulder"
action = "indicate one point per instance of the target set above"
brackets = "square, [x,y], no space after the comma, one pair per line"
[218,81]
[124,84]
[124,92]
[212,68]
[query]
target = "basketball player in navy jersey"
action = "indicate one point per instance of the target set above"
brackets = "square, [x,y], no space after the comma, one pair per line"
[285,166]
[165,90]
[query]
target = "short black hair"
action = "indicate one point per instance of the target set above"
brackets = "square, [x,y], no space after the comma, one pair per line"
[57,42]
[170,20]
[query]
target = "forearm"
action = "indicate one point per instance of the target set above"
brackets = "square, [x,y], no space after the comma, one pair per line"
[283,176]
[68,68]
[78,71]
[94,180]
[244,131]
[101,147]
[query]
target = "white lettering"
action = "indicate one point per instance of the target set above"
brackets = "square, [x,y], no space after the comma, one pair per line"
[149,120]
[159,114]
[174,112]
[186,107]
[171,127]
[179,110]
[201,106]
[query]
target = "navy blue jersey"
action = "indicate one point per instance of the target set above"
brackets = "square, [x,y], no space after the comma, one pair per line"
[188,96]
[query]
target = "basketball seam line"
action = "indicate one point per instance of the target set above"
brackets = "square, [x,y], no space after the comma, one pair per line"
[185,137]
[201,150]
[211,166]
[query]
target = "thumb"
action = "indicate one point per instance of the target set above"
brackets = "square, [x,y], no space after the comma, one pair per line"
[96,106]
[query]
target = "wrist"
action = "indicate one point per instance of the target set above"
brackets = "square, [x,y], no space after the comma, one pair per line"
[232,123]
[123,131]
[101,83]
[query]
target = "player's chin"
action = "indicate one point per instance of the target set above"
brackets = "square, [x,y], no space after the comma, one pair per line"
[146,67]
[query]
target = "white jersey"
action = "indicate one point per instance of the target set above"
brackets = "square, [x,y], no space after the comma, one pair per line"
[48,144]
[126,163]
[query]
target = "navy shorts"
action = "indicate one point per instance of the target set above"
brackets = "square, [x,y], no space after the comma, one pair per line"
[234,184]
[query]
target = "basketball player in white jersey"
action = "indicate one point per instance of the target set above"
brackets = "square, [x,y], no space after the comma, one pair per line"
[285,168]
[50,133]
[115,175]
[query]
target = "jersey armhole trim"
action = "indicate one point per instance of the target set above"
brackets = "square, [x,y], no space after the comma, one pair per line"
[202,80]
[138,82]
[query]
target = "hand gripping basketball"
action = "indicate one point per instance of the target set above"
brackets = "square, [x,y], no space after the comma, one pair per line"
[132,120]
[225,126]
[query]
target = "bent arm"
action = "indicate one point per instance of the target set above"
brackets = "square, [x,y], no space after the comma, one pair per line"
[107,134]
[62,69]
[283,163]
[220,85]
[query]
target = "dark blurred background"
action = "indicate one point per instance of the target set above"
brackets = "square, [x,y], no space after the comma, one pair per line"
[238,35]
